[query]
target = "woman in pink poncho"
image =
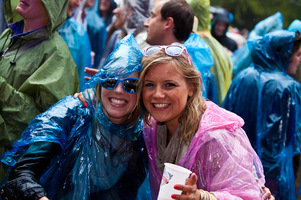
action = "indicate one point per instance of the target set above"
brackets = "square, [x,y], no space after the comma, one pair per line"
[184,129]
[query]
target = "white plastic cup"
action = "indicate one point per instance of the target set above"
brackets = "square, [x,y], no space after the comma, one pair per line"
[172,175]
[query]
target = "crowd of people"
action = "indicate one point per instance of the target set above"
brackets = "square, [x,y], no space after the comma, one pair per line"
[98,94]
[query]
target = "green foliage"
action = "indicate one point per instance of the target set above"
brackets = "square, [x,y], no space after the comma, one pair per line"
[247,13]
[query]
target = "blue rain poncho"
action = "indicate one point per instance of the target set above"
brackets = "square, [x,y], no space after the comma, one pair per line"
[269,100]
[77,40]
[241,58]
[97,159]
[202,60]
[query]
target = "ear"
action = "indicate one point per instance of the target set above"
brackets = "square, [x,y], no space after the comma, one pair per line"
[190,90]
[169,23]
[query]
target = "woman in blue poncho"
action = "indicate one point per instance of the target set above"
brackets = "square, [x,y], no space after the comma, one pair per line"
[269,100]
[77,152]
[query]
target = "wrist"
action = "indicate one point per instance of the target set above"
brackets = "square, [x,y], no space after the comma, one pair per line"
[204,195]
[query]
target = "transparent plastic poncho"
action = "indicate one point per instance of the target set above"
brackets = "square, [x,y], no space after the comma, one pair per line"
[220,155]
[269,101]
[98,159]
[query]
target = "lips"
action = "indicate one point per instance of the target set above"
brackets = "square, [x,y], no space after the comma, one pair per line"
[23,3]
[160,106]
[117,102]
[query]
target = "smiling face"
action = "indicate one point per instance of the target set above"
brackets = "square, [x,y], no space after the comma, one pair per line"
[165,93]
[117,103]
[294,62]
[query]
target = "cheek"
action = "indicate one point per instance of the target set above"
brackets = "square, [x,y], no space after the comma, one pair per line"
[145,97]
[133,99]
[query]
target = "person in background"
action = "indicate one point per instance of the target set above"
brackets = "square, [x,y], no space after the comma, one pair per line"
[220,24]
[269,101]
[35,61]
[96,151]
[129,19]
[97,32]
[296,26]
[171,22]
[180,127]
[106,8]
[81,12]
[77,40]
[222,67]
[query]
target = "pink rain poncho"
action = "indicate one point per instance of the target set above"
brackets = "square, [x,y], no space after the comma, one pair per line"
[220,154]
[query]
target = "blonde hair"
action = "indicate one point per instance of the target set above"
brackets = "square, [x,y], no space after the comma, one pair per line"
[195,107]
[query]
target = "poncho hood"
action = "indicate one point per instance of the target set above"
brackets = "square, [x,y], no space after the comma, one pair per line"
[268,25]
[272,51]
[201,11]
[57,12]
[123,61]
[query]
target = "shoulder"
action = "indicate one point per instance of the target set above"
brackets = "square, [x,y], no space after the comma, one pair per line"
[216,117]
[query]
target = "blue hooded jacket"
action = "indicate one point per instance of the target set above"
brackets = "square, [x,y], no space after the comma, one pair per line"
[269,100]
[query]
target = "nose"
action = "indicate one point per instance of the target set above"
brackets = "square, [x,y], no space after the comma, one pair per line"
[146,23]
[119,89]
[159,94]
[115,11]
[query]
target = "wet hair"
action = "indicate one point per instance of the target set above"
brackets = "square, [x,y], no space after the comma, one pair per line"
[195,107]
[183,17]
[297,42]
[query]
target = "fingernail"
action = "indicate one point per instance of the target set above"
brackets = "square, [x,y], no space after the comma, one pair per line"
[176,186]
[85,104]
[173,196]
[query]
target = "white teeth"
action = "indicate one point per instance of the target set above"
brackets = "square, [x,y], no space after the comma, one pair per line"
[117,101]
[161,105]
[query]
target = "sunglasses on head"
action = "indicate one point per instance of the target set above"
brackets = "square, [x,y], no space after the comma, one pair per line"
[109,81]
[171,50]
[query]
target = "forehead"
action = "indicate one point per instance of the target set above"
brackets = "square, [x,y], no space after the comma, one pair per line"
[158,6]
[160,70]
